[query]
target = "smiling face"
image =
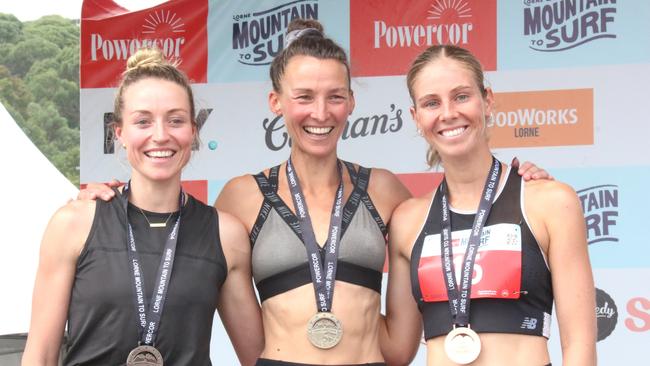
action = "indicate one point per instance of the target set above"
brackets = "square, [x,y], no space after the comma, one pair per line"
[315,101]
[450,108]
[156,128]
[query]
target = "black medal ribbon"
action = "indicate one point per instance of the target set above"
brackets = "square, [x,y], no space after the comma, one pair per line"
[323,270]
[150,312]
[459,295]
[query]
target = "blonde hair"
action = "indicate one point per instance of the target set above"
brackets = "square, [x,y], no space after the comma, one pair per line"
[459,54]
[150,63]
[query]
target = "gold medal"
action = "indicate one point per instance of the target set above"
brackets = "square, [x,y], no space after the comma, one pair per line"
[324,330]
[144,356]
[462,345]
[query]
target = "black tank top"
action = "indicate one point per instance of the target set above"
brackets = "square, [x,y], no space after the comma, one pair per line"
[102,323]
[531,312]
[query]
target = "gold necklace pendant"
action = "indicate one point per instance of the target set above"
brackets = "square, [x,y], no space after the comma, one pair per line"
[155,224]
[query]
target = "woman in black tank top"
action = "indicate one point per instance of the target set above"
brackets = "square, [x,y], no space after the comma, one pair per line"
[520,234]
[138,278]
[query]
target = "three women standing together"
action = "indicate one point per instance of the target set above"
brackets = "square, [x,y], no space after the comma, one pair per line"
[317,227]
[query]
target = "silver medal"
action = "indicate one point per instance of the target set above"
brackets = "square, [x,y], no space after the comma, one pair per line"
[324,330]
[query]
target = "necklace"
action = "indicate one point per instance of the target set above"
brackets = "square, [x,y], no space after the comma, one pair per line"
[155,224]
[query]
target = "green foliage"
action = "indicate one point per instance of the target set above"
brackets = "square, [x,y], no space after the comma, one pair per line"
[39,85]
[11,29]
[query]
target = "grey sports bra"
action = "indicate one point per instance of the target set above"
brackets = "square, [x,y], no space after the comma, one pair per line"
[279,260]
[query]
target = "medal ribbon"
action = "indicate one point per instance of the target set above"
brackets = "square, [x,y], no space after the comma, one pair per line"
[459,299]
[149,314]
[323,289]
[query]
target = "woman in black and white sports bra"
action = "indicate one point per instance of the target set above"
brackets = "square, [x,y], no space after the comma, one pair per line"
[482,259]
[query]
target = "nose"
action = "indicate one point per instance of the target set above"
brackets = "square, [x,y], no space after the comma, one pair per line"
[447,111]
[160,133]
[319,110]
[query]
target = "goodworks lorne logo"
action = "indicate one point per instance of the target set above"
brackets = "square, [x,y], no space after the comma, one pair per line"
[600,206]
[154,22]
[430,34]
[258,37]
[606,314]
[558,25]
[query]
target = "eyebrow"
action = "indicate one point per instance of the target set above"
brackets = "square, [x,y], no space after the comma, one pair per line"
[144,111]
[308,90]
[454,90]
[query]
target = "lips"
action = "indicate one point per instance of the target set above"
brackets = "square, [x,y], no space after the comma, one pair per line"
[160,154]
[453,132]
[319,131]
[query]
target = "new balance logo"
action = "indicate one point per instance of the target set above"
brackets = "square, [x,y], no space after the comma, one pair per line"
[529,323]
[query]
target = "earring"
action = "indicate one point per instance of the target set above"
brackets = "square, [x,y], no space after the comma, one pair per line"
[124,146]
[419,131]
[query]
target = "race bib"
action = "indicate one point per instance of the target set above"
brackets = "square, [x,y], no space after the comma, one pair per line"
[497,269]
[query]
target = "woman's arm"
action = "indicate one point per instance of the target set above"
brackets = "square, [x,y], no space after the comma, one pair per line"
[62,242]
[557,208]
[237,305]
[402,330]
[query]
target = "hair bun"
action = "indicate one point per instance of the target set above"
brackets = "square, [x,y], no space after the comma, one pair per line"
[146,58]
[302,27]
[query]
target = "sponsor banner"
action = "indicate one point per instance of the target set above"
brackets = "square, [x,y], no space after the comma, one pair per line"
[555,33]
[109,35]
[617,99]
[613,200]
[386,35]
[542,118]
[623,316]
[245,36]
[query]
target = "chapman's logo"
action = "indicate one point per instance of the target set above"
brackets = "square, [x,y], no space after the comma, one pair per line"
[542,118]
[258,37]
[600,207]
[453,27]
[167,24]
[560,25]
[276,136]
[606,314]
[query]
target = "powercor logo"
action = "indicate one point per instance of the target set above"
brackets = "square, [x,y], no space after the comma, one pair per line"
[110,36]
[559,25]
[456,32]
[600,207]
[156,22]
[258,37]
[385,35]
[606,314]
[542,118]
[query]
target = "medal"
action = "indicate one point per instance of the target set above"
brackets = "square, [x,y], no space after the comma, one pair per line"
[324,330]
[149,316]
[462,345]
[144,356]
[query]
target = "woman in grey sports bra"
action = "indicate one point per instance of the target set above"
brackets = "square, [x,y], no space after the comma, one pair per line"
[311,90]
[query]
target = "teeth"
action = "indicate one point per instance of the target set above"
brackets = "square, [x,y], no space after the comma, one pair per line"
[160,153]
[454,132]
[318,130]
